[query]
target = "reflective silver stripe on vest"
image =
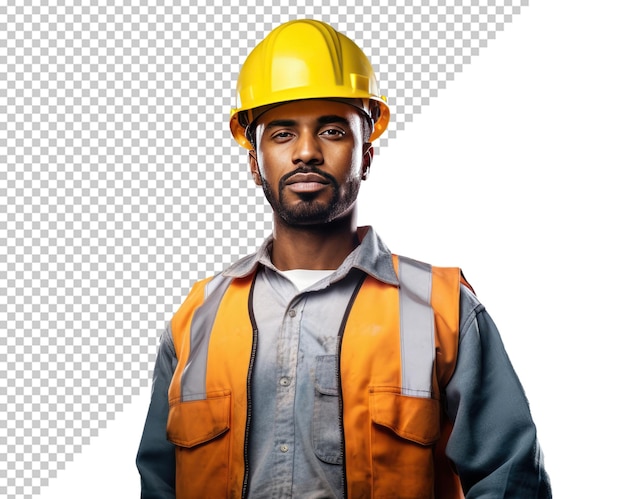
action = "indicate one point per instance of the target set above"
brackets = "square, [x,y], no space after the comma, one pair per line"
[417,327]
[193,379]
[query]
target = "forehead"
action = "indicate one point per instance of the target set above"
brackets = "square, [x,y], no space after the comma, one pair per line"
[310,110]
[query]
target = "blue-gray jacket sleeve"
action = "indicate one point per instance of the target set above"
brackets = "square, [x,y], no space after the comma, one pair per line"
[155,459]
[493,444]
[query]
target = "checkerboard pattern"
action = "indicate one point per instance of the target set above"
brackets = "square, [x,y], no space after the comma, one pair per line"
[120,184]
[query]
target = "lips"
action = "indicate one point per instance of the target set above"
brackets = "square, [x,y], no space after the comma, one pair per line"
[306,178]
[306,182]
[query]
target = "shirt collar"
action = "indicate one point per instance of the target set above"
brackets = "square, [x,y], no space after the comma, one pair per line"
[371,256]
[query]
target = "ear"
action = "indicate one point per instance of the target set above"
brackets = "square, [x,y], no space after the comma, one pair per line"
[368,157]
[254,167]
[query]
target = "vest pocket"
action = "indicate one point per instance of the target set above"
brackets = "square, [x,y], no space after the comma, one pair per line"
[411,418]
[198,421]
[403,435]
[326,432]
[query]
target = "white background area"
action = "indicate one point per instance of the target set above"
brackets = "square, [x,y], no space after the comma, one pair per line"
[515,173]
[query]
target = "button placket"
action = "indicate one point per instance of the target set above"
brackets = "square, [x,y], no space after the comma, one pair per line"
[287,362]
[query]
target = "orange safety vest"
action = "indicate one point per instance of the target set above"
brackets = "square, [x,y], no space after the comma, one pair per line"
[398,347]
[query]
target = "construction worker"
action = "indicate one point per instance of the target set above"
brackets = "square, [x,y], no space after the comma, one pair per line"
[324,365]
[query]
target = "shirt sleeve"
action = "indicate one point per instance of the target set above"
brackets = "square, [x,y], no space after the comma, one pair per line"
[493,443]
[155,458]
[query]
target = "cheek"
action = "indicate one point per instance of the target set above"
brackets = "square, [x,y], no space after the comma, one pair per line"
[268,169]
[355,166]
[342,162]
[262,162]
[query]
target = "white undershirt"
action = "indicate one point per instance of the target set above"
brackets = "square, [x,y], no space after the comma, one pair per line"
[303,278]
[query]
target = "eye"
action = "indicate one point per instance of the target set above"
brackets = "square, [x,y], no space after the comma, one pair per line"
[281,136]
[333,132]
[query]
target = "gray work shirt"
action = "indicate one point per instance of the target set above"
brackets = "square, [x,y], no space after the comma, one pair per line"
[295,442]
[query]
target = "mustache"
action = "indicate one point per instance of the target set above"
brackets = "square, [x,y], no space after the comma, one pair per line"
[307,169]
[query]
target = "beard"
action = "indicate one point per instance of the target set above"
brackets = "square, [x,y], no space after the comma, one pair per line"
[310,210]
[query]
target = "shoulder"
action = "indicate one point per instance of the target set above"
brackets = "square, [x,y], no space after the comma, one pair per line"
[194,299]
[450,291]
[469,307]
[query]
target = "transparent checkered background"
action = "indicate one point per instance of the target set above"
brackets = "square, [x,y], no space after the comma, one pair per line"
[120,184]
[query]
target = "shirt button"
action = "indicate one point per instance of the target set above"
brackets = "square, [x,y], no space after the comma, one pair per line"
[284,448]
[285,381]
[292,313]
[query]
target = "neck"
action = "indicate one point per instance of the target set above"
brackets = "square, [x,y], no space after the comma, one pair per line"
[313,247]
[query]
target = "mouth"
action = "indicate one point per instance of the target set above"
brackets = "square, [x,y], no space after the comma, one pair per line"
[306,182]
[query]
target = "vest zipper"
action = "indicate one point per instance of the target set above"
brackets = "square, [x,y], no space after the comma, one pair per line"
[246,440]
[344,481]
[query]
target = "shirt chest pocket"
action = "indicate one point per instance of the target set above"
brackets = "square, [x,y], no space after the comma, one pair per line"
[326,434]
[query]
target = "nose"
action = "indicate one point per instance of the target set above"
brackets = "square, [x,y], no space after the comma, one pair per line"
[307,149]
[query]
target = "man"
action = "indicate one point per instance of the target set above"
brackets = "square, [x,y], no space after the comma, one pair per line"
[323,365]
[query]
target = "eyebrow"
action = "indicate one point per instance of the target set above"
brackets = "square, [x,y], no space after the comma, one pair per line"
[325,120]
[322,120]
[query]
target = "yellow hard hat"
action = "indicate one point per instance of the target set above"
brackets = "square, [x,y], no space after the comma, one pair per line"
[306,59]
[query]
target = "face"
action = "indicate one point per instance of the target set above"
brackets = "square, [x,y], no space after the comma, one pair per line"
[310,159]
